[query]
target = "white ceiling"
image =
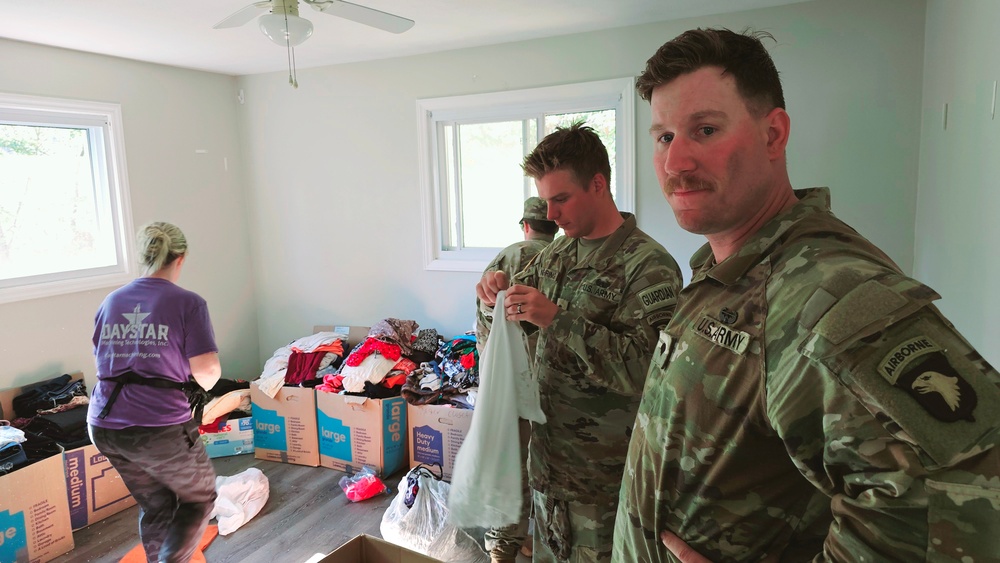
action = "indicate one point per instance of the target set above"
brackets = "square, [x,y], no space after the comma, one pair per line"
[179,33]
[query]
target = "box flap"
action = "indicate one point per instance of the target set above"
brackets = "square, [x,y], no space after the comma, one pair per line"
[369,549]
[355,334]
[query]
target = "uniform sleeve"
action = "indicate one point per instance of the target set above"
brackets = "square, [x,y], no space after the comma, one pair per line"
[617,356]
[887,409]
[508,264]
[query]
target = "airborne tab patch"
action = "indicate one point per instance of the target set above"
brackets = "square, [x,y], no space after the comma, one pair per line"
[657,296]
[719,334]
[919,367]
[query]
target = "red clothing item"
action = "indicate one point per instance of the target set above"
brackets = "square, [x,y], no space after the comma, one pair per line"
[370,346]
[302,366]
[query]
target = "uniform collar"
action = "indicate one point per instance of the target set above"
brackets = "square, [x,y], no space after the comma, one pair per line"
[732,269]
[609,249]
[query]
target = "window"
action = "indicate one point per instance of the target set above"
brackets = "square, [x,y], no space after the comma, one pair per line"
[471,149]
[65,223]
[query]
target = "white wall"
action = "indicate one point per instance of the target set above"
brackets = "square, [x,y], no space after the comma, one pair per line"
[167,113]
[957,226]
[332,166]
[329,171]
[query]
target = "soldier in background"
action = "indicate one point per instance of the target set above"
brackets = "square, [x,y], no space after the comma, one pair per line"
[807,401]
[596,298]
[538,232]
[504,543]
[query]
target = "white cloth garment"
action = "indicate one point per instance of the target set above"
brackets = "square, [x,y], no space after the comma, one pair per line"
[273,375]
[241,497]
[373,368]
[486,482]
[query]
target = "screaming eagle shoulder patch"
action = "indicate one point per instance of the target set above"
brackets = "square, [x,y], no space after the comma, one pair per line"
[919,367]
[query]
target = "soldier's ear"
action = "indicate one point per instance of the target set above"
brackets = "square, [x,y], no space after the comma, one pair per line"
[778,127]
[599,183]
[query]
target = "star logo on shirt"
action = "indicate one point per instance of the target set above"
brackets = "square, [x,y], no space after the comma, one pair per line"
[136,316]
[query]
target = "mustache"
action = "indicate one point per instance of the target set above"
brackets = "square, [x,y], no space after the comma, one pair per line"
[682,183]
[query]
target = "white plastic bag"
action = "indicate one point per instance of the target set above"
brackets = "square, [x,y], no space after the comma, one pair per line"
[240,498]
[486,483]
[424,526]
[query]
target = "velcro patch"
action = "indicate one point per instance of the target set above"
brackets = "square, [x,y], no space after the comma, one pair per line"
[657,296]
[600,292]
[722,335]
[894,363]
[919,367]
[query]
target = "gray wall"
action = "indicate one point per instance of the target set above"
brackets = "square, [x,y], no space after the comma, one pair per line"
[959,203]
[168,113]
[332,166]
[317,220]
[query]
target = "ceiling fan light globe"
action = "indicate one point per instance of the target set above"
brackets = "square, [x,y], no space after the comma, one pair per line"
[298,29]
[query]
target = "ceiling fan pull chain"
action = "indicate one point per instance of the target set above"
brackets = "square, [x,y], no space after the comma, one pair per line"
[292,78]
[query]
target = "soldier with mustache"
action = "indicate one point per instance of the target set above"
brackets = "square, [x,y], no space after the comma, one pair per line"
[807,401]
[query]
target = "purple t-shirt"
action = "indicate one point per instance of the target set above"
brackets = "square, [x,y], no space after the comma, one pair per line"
[151,327]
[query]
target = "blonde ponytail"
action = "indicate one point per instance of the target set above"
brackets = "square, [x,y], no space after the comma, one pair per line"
[160,244]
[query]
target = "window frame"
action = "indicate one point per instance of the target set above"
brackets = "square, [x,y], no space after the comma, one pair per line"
[433,113]
[107,149]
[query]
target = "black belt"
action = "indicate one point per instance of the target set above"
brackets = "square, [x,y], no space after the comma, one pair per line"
[190,388]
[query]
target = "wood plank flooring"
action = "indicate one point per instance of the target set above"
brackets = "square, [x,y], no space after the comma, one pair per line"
[306,515]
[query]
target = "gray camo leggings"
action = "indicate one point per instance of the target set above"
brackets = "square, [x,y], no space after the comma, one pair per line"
[171,478]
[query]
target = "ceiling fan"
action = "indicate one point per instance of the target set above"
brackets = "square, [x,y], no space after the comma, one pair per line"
[283,25]
[299,29]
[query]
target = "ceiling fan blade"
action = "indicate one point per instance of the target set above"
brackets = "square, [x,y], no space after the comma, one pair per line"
[361,14]
[242,16]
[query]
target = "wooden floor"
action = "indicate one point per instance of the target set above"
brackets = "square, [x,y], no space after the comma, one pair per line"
[305,515]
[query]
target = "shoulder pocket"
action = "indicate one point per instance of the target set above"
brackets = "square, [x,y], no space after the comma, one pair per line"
[905,363]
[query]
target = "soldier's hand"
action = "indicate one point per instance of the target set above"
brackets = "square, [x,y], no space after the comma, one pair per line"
[525,303]
[491,284]
[681,550]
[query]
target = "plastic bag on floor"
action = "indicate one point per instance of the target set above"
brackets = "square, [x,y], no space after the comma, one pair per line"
[424,527]
[362,485]
[241,497]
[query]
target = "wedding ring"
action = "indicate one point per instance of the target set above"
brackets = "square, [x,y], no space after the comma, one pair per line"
[519,309]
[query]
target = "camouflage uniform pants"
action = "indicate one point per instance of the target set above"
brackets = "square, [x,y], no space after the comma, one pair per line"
[572,532]
[168,472]
[504,543]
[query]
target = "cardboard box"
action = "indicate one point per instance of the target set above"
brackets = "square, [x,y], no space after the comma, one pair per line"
[234,437]
[284,428]
[369,549]
[94,488]
[355,334]
[435,434]
[357,431]
[34,513]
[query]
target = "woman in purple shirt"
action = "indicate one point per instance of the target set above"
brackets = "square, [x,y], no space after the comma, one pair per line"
[152,340]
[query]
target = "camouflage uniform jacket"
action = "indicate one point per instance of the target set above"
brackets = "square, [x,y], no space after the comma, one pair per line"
[509,261]
[591,361]
[808,402]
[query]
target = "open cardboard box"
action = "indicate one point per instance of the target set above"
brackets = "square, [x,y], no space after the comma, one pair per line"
[436,432]
[369,549]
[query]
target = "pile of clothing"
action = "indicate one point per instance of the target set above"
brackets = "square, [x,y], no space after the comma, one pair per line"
[228,399]
[50,416]
[450,377]
[301,362]
[379,365]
